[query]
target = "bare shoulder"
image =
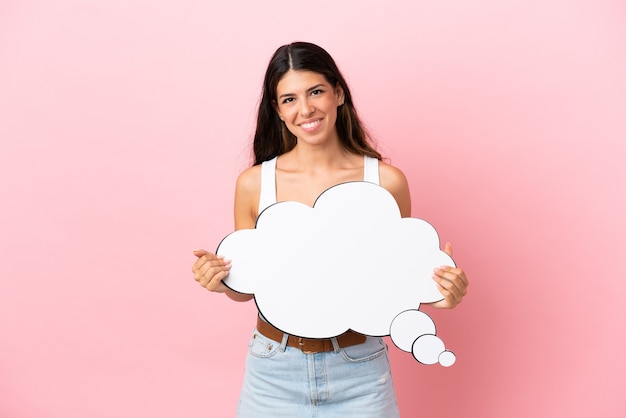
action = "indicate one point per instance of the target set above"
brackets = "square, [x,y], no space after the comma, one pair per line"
[391,176]
[249,181]
[247,193]
[394,180]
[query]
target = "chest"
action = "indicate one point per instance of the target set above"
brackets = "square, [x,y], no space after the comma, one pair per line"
[305,188]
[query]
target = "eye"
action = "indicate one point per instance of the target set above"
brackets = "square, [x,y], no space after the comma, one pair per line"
[317,92]
[288,100]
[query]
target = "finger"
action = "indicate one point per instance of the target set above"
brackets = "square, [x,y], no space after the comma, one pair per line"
[210,269]
[448,249]
[204,257]
[452,274]
[213,282]
[200,262]
[449,288]
[201,252]
[216,281]
[195,268]
[452,283]
[449,299]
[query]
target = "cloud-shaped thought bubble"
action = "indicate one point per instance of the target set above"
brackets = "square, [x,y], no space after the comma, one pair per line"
[350,262]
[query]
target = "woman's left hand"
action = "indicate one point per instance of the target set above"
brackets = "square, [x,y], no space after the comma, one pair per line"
[451,282]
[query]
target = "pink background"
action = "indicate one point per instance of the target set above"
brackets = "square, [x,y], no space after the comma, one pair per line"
[124,124]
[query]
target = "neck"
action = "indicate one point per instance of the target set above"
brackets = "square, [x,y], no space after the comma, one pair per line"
[318,156]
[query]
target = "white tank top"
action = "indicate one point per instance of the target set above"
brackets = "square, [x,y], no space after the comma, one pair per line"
[268,179]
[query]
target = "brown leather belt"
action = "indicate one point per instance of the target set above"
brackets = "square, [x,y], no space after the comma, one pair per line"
[309,345]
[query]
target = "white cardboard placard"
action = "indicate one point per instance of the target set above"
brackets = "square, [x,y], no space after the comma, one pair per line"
[349,262]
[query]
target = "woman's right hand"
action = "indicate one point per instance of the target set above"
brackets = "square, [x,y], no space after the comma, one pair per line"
[209,270]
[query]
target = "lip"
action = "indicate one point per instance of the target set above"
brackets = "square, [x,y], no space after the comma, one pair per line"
[310,125]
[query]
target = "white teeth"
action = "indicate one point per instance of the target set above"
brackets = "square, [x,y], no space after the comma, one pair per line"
[309,125]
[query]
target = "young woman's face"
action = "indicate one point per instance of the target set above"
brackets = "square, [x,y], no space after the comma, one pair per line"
[307,103]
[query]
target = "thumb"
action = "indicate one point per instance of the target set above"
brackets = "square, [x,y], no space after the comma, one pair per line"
[200,253]
[448,249]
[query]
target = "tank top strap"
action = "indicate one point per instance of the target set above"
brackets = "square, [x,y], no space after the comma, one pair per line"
[268,184]
[370,170]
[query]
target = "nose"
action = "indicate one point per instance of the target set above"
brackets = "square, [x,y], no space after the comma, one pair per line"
[306,108]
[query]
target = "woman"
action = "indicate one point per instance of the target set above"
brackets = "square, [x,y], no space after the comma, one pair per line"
[309,138]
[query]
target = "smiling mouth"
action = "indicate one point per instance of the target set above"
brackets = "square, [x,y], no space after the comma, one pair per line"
[309,126]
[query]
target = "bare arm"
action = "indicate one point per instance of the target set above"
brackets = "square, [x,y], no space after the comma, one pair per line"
[394,180]
[210,269]
[452,281]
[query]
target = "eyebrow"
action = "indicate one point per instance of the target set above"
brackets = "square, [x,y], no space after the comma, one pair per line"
[315,87]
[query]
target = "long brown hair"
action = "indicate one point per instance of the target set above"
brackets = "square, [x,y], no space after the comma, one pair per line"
[272,137]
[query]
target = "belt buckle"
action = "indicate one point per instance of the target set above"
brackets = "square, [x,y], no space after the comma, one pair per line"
[301,344]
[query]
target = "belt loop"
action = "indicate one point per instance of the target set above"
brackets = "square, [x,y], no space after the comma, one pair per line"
[333,340]
[283,343]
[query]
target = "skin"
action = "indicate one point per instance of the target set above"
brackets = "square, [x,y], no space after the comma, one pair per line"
[307,104]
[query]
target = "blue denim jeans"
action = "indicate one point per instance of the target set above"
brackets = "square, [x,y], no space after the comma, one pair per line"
[351,382]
